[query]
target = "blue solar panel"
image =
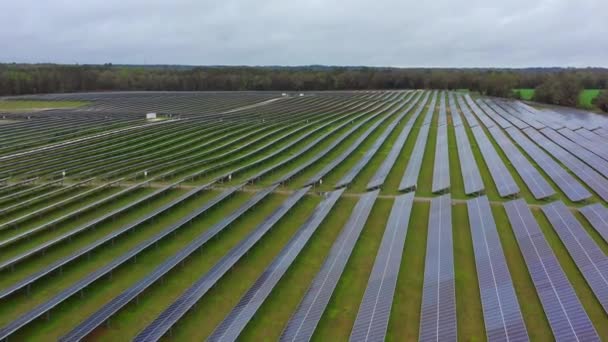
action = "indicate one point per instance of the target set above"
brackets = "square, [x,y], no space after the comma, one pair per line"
[492,114]
[241,314]
[537,184]
[598,148]
[303,322]
[485,119]
[107,269]
[468,115]
[441,167]
[520,114]
[438,312]
[120,301]
[589,258]
[594,180]
[167,319]
[473,182]
[505,114]
[502,316]
[567,318]
[597,215]
[410,176]
[372,318]
[564,180]
[580,152]
[339,159]
[505,184]
[380,176]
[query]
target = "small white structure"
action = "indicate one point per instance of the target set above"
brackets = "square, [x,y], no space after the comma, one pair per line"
[151,116]
[284,94]
[301,94]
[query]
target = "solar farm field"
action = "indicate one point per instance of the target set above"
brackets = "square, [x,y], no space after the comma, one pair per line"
[398,215]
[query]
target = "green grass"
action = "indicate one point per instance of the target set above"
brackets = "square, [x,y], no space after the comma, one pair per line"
[341,312]
[525,93]
[585,99]
[590,303]
[531,307]
[468,300]
[456,180]
[271,318]
[391,184]
[425,178]
[71,312]
[404,321]
[220,300]
[336,174]
[587,96]
[22,105]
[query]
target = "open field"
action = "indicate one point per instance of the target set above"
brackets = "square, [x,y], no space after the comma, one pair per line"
[325,216]
[585,99]
[25,106]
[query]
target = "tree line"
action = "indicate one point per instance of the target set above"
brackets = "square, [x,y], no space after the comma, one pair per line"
[553,85]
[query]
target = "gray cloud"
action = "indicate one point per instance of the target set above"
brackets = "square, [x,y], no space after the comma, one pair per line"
[514,33]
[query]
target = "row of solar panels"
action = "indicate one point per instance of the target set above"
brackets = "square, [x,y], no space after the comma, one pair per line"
[183,146]
[439,256]
[92,277]
[580,160]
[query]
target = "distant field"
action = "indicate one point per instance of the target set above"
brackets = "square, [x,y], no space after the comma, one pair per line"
[21,106]
[526,94]
[585,99]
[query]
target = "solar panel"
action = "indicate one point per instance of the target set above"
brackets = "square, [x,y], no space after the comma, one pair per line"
[352,147]
[373,315]
[442,116]
[441,167]
[592,146]
[100,272]
[567,318]
[473,182]
[438,312]
[161,325]
[592,136]
[303,322]
[589,258]
[468,115]
[502,316]
[321,153]
[597,215]
[505,114]
[537,184]
[483,117]
[564,180]
[588,175]
[456,119]
[505,184]
[234,323]
[523,115]
[410,176]
[589,158]
[118,302]
[380,176]
[492,114]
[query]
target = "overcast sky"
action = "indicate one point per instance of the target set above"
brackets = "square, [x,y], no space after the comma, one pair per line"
[449,33]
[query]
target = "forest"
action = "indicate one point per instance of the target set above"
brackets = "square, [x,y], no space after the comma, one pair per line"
[553,85]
